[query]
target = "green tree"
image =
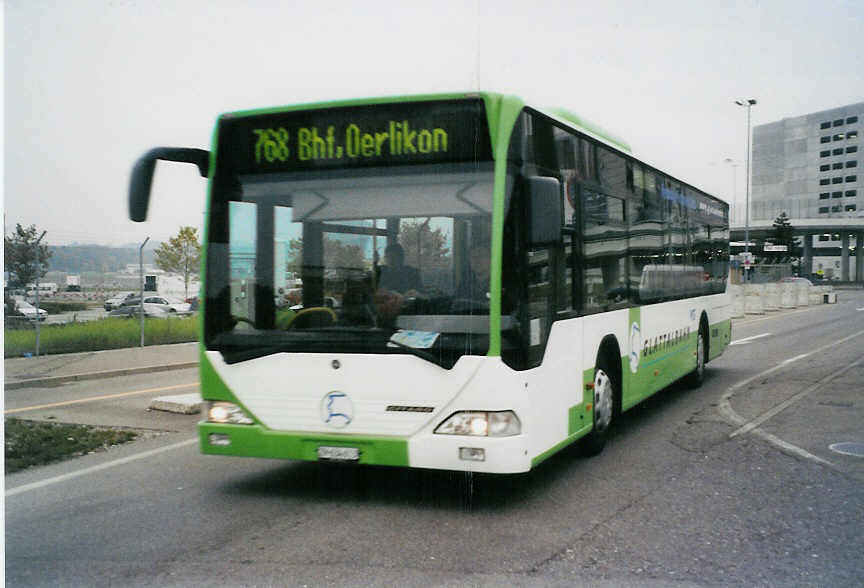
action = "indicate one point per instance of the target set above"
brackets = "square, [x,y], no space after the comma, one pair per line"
[783,230]
[342,255]
[783,234]
[181,255]
[22,257]
[336,254]
[425,248]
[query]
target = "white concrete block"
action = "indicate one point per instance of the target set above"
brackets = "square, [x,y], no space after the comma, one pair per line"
[753,299]
[771,298]
[179,403]
[788,295]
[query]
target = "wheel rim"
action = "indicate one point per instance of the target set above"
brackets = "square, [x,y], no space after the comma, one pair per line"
[602,400]
[700,354]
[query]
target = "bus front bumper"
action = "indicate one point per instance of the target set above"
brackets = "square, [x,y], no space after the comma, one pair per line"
[443,452]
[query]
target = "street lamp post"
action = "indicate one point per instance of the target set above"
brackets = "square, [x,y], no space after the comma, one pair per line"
[748,103]
[38,271]
[141,276]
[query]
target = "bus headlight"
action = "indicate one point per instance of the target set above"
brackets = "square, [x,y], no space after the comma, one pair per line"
[481,424]
[227,413]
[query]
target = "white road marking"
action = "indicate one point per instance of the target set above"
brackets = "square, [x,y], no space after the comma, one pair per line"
[748,339]
[95,398]
[725,407]
[791,400]
[794,359]
[98,468]
[859,309]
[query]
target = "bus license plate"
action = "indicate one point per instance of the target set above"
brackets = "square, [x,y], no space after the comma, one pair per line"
[339,453]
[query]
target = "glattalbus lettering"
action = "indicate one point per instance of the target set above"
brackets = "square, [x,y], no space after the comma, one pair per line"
[399,138]
[665,341]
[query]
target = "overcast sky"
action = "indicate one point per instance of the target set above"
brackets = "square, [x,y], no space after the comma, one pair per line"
[90,85]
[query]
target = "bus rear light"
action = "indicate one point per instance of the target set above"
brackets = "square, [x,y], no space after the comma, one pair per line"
[227,413]
[481,424]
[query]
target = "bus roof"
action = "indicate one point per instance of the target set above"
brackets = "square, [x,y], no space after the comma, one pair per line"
[493,102]
[587,127]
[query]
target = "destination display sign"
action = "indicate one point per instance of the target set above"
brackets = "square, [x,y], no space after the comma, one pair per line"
[407,133]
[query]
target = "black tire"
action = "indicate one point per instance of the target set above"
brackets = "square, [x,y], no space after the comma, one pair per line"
[606,391]
[697,376]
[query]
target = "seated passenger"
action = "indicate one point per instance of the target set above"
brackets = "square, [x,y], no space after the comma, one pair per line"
[397,276]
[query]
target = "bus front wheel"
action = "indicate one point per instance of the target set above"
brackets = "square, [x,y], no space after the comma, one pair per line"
[605,393]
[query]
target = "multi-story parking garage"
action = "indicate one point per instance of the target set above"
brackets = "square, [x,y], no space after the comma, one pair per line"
[811,168]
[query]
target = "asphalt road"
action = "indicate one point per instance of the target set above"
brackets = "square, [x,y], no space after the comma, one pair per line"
[730,484]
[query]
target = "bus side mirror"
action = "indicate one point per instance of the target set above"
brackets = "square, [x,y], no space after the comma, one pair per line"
[544,208]
[142,174]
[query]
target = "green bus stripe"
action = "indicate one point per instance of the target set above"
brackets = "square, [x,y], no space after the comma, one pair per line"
[508,112]
[556,448]
[257,441]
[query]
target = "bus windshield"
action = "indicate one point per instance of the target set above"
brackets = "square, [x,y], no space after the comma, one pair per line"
[374,260]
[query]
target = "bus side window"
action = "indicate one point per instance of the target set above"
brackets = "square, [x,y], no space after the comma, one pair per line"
[605,279]
[646,239]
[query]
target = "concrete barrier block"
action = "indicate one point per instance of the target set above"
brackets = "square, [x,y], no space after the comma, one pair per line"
[788,295]
[771,298]
[753,299]
[179,403]
[802,295]
[736,293]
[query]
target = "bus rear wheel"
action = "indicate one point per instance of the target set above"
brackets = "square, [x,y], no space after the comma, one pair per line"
[605,393]
[697,376]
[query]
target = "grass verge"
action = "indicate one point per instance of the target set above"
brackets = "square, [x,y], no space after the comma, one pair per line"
[108,333]
[30,443]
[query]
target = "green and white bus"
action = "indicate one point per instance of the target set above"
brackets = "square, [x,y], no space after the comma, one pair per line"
[457,282]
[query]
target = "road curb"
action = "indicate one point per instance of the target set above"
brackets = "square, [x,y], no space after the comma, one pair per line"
[16,384]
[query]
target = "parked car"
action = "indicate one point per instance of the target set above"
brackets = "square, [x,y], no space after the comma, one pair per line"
[30,312]
[165,304]
[134,310]
[798,281]
[117,300]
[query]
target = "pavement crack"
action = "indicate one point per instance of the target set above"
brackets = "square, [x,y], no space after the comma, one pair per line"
[562,553]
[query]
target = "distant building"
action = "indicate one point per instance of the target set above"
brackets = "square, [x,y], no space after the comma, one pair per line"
[810,167]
